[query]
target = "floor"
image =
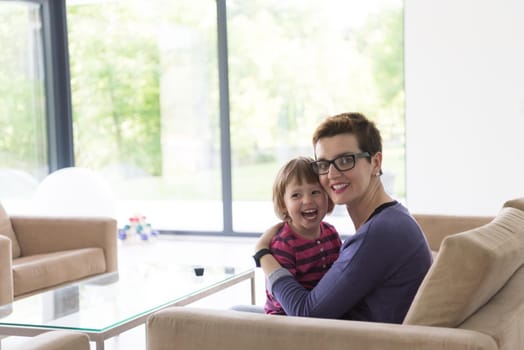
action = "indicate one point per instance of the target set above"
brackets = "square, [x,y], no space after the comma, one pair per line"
[195,249]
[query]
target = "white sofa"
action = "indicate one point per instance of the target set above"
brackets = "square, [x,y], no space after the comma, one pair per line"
[471,299]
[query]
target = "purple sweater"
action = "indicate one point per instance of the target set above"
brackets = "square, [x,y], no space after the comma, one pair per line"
[375,278]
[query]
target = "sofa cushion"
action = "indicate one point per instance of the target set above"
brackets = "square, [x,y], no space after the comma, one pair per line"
[188,328]
[501,318]
[7,230]
[470,268]
[46,270]
[517,203]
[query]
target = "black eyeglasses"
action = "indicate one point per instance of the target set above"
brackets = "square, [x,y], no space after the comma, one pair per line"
[344,162]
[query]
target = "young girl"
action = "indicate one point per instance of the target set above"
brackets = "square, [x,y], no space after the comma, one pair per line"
[305,245]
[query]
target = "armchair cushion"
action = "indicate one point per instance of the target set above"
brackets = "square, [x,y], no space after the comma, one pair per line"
[58,340]
[470,268]
[7,230]
[41,271]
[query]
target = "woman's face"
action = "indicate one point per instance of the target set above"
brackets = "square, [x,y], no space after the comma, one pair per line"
[344,187]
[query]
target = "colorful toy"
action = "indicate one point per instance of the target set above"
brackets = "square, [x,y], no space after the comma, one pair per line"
[137,229]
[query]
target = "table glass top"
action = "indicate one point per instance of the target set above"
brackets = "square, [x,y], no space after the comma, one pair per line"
[149,279]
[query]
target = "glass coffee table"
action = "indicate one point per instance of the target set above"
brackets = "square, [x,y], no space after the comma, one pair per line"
[107,305]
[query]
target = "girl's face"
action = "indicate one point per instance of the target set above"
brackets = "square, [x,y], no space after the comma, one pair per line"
[306,206]
[345,187]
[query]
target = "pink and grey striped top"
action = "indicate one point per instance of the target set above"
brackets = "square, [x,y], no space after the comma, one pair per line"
[307,259]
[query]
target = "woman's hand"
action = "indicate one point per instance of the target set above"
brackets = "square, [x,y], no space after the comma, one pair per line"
[266,237]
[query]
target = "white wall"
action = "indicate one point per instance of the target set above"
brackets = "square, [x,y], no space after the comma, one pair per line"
[464,76]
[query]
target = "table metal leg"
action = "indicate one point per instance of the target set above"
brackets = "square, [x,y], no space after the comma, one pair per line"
[253,290]
[99,345]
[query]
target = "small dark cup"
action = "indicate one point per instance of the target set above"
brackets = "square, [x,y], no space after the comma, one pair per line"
[199,271]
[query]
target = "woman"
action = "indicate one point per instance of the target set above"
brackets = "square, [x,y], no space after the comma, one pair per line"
[382,265]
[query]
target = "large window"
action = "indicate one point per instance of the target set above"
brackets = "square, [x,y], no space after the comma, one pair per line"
[145,106]
[310,59]
[23,144]
[188,108]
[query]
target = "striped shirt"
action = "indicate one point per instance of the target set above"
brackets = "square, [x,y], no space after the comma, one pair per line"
[307,259]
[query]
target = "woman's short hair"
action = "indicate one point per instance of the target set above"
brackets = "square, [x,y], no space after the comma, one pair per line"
[367,134]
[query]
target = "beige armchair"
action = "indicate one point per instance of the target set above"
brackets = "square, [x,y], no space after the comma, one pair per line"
[57,340]
[37,253]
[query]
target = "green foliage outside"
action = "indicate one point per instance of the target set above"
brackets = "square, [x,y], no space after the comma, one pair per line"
[290,65]
[115,84]
[303,66]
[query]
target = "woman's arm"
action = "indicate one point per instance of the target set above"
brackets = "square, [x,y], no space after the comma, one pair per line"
[339,290]
[377,269]
[349,279]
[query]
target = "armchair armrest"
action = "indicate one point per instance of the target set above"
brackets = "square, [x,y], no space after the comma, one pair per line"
[58,340]
[190,328]
[437,227]
[38,235]
[6,273]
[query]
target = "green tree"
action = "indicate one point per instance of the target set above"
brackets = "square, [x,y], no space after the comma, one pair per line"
[115,82]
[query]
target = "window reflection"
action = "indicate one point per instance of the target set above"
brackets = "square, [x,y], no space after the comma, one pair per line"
[23,150]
